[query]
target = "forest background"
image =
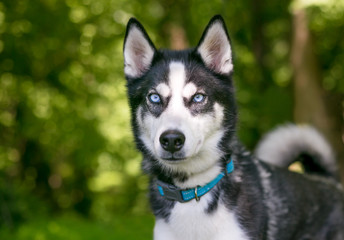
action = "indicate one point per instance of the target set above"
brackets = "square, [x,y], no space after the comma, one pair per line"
[68,165]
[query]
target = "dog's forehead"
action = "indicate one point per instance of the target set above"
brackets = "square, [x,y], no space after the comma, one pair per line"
[177,76]
[177,81]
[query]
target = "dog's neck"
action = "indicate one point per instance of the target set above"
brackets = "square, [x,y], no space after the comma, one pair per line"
[200,178]
[193,179]
[186,192]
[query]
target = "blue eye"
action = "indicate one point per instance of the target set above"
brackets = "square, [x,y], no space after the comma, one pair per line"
[198,98]
[154,98]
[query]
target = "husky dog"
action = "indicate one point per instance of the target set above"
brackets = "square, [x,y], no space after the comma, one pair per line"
[203,183]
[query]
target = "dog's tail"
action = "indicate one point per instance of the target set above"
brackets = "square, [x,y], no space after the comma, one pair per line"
[290,143]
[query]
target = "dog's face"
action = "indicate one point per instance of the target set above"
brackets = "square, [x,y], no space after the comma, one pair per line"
[180,100]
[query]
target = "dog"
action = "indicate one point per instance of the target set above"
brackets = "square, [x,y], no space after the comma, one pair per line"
[203,183]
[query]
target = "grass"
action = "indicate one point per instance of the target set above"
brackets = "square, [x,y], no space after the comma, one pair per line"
[77,228]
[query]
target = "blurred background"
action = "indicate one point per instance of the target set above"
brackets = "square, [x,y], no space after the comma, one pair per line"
[68,165]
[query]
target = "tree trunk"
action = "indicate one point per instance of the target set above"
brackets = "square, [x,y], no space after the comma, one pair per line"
[172,27]
[312,104]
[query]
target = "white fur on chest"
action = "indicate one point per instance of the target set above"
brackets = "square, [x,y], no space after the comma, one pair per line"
[190,221]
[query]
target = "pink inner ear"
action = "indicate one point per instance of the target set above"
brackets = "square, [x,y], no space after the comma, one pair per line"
[138,52]
[215,48]
[216,54]
[139,57]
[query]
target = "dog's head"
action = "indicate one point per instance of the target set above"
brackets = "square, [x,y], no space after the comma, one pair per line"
[182,102]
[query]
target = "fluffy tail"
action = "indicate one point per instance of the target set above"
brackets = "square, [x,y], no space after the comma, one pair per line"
[291,143]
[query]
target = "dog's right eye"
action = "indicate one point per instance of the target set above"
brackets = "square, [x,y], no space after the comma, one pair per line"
[154,98]
[198,98]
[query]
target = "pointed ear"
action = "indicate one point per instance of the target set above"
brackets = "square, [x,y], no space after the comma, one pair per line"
[215,48]
[138,50]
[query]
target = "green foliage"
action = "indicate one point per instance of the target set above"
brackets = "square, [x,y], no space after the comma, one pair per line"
[64,116]
[326,22]
[66,143]
[76,228]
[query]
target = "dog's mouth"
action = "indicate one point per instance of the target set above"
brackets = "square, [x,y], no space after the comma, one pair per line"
[173,159]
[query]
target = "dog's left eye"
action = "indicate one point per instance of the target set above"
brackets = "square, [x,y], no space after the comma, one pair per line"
[154,98]
[198,98]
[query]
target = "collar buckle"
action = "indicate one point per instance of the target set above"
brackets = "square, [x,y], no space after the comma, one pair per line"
[170,192]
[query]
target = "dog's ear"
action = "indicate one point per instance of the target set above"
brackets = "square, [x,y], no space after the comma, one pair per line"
[215,48]
[138,50]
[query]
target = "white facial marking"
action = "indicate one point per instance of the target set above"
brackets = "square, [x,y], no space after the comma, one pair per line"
[163,90]
[177,79]
[173,116]
[189,90]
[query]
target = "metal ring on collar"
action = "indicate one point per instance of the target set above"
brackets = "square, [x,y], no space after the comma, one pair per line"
[196,196]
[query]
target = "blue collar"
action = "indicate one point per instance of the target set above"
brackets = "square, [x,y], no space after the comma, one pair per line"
[173,193]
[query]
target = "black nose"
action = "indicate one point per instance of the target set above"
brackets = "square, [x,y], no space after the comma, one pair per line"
[172,140]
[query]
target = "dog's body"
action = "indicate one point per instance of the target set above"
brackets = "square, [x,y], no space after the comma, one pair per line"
[184,119]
